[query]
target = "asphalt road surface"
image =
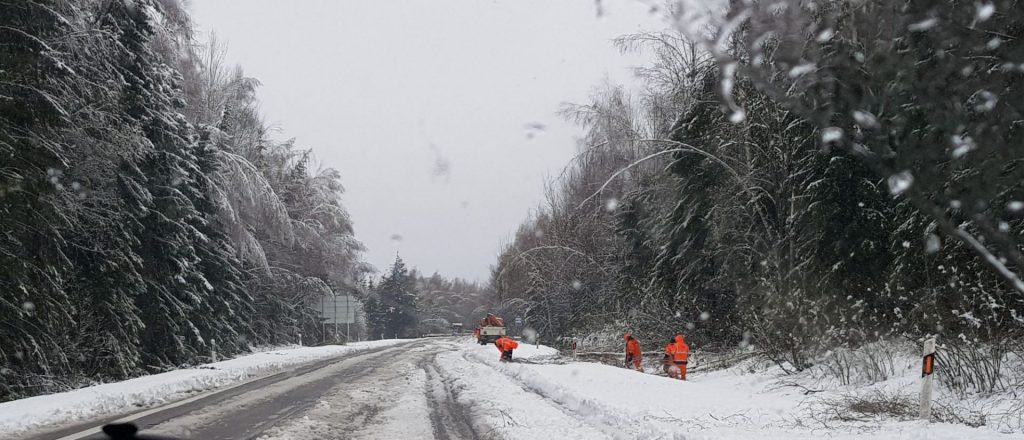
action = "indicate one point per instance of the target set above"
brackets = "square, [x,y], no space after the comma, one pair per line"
[378,393]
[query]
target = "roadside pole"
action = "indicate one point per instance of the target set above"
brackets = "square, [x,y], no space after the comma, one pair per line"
[213,350]
[927,368]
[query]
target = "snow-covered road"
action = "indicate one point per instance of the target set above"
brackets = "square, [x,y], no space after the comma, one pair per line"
[149,399]
[454,389]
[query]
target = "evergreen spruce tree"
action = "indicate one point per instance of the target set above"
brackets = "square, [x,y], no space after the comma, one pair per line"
[685,264]
[33,262]
[227,310]
[398,301]
[175,283]
[852,217]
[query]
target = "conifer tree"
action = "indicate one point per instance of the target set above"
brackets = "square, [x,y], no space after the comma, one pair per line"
[33,260]
[397,301]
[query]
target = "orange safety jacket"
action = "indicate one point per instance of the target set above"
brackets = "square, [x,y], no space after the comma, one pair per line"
[506,344]
[678,352]
[633,347]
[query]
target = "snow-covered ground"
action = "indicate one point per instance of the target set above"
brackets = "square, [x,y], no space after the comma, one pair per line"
[116,398]
[534,399]
[389,400]
[453,388]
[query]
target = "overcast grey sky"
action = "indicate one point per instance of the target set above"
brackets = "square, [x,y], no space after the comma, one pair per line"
[424,106]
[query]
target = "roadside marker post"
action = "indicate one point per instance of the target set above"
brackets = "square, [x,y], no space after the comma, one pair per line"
[927,370]
[213,350]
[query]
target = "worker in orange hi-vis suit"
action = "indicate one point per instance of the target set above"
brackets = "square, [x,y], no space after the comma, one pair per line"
[505,346]
[678,354]
[633,354]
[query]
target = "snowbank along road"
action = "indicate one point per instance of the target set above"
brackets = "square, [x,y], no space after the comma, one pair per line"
[454,389]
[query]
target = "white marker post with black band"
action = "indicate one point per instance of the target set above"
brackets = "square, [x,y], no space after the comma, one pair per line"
[927,370]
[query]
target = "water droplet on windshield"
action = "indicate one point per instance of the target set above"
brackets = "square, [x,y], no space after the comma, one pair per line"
[963,145]
[923,25]
[985,11]
[865,119]
[737,116]
[801,70]
[831,135]
[984,101]
[900,182]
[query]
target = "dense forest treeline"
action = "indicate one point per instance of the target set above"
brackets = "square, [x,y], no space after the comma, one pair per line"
[802,175]
[146,215]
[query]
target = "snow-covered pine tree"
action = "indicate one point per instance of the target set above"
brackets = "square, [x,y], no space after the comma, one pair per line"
[175,285]
[852,216]
[33,263]
[226,310]
[685,265]
[398,301]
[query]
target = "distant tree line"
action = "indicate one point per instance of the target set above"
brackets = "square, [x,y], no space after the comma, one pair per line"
[146,215]
[801,175]
[403,303]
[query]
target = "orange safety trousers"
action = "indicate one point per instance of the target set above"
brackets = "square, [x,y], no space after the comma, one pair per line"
[682,370]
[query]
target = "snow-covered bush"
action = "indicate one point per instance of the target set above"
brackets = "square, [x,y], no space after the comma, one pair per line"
[974,367]
[609,339]
[869,363]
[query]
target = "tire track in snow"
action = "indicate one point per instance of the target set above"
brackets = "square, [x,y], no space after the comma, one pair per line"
[501,408]
[249,415]
[451,420]
[401,396]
